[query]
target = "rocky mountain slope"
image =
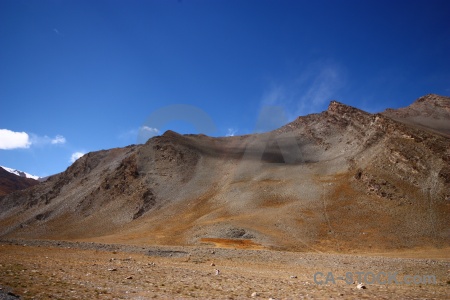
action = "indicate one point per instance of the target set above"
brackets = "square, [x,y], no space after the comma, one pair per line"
[9,182]
[430,112]
[342,180]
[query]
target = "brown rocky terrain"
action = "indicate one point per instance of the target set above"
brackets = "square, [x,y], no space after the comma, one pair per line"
[342,181]
[430,112]
[76,270]
[10,182]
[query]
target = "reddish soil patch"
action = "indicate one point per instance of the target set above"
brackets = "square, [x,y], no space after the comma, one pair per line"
[232,243]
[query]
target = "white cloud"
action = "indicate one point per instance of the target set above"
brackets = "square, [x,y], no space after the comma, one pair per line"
[231,132]
[59,139]
[309,92]
[275,94]
[322,81]
[271,117]
[149,130]
[55,30]
[13,140]
[142,133]
[75,156]
[37,140]
[145,133]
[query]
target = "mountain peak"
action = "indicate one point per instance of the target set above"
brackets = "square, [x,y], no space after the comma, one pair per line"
[10,182]
[335,105]
[340,108]
[433,99]
[430,111]
[171,133]
[20,173]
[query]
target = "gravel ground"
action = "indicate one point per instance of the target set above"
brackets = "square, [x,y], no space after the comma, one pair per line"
[77,270]
[7,295]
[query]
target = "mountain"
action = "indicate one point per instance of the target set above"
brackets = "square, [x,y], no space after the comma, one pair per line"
[20,173]
[10,182]
[341,180]
[430,112]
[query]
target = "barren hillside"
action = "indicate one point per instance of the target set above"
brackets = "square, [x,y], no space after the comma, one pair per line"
[430,112]
[341,180]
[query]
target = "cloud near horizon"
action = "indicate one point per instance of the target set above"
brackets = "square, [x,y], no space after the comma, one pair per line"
[231,132]
[75,156]
[149,130]
[309,92]
[142,133]
[14,140]
[145,133]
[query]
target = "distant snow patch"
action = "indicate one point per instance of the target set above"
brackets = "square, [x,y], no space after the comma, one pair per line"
[20,173]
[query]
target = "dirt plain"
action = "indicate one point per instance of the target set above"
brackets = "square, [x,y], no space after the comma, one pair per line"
[84,270]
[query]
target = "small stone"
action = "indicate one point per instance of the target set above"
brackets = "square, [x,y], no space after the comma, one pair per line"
[293,276]
[217,272]
[361,286]
[213,264]
[112,269]
[129,277]
[12,294]
[254,294]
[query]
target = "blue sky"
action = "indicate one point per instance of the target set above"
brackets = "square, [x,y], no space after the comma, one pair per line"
[79,76]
